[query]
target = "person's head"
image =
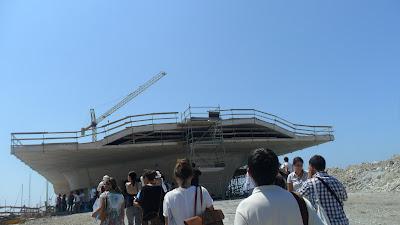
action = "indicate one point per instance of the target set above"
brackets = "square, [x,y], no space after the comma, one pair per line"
[263,165]
[132,176]
[298,164]
[286,159]
[106,178]
[114,185]
[105,185]
[183,172]
[316,164]
[77,192]
[149,176]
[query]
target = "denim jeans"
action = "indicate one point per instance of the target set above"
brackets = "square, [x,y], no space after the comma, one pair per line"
[134,215]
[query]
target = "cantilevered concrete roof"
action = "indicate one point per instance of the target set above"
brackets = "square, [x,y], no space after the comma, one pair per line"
[70,161]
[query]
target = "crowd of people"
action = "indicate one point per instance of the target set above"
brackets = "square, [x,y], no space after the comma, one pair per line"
[280,194]
[75,202]
[306,197]
[150,200]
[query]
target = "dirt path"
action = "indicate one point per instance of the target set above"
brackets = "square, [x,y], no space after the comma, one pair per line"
[361,208]
[373,208]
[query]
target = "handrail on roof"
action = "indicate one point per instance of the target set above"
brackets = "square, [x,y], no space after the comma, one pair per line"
[160,118]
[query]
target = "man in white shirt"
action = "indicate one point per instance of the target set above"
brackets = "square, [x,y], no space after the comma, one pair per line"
[287,167]
[270,204]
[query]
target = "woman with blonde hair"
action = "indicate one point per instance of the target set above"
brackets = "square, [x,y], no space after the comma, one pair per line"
[185,201]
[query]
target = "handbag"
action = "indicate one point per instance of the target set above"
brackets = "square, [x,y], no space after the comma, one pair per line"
[320,210]
[213,217]
[209,217]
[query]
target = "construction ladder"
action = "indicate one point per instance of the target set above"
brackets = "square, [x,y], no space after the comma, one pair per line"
[204,137]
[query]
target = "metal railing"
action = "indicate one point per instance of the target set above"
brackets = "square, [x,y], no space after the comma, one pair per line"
[297,129]
[232,114]
[32,138]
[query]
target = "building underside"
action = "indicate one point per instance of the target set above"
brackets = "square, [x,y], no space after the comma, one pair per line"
[218,141]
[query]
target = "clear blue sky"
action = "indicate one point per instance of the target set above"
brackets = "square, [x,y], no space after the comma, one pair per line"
[312,62]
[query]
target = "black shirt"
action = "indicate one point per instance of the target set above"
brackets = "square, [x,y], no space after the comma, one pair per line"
[70,199]
[150,199]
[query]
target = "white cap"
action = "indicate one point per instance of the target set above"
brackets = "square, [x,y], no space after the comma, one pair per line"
[106,178]
[158,174]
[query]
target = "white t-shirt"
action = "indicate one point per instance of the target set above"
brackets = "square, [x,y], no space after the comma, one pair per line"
[272,205]
[179,204]
[297,181]
[77,198]
[288,165]
[115,201]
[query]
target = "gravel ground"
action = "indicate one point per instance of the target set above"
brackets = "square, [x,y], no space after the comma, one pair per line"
[362,208]
[382,176]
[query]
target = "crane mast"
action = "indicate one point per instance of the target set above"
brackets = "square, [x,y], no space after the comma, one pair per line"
[95,121]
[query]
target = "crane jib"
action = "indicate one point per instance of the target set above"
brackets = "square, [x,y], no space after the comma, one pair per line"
[128,98]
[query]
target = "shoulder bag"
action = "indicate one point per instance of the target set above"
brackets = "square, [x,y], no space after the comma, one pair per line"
[209,217]
[331,191]
[320,210]
[302,207]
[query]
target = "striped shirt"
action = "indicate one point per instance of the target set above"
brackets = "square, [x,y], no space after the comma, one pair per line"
[333,208]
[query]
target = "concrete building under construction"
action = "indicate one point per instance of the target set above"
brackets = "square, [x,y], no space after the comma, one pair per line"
[217,140]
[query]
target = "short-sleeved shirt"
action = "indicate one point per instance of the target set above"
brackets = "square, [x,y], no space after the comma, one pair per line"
[333,208]
[179,204]
[114,205]
[77,198]
[272,205]
[288,165]
[297,181]
[150,199]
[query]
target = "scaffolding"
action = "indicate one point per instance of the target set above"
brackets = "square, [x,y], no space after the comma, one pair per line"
[204,137]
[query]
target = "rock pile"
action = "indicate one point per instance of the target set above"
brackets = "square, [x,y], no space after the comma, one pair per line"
[371,177]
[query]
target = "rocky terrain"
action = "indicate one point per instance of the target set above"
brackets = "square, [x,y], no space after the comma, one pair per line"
[383,176]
